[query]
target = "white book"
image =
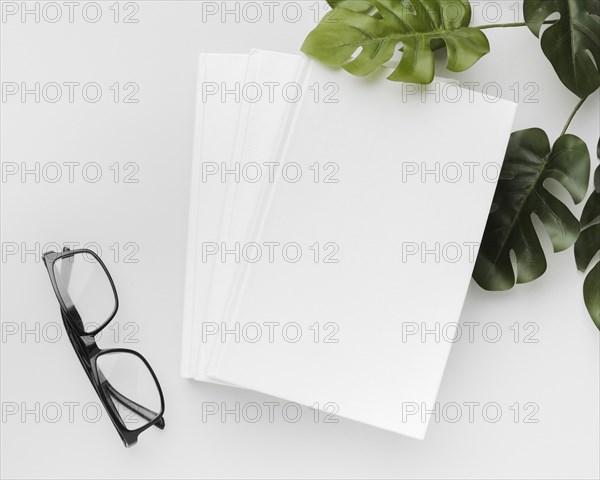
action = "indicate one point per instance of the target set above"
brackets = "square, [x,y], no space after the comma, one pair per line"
[217,114]
[374,257]
[268,100]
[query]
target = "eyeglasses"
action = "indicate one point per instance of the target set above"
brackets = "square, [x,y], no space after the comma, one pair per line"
[122,378]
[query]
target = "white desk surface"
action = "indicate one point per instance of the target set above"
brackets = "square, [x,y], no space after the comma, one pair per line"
[543,381]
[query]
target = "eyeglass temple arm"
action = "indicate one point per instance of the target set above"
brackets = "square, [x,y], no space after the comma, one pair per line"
[130,404]
[66,268]
[65,275]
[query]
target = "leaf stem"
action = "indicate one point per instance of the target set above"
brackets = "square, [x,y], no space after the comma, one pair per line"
[508,25]
[573,113]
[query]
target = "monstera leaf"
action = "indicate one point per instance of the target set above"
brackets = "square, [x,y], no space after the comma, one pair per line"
[362,42]
[572,44]
[356,5]
[588,246]
[521,193]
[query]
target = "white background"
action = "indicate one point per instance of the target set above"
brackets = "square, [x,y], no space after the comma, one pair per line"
[558,374]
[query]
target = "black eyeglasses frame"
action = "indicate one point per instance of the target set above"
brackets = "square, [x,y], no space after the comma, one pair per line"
[88,352]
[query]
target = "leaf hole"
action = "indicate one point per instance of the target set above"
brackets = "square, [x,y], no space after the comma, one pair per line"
[555,16]
[543,235]
[591,55]
[555,188]
[356,53]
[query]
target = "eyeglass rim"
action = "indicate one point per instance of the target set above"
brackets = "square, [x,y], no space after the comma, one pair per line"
[131,434]
[50,259]
[87,352]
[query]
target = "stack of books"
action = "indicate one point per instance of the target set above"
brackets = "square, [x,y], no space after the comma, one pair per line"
[334,224]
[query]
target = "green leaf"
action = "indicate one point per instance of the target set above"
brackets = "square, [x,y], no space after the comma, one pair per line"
[597,174]
[365,6]
[572,44]
[591,211]
[361,42]
[521,193]
[591,287]
[355,5]
[588,246]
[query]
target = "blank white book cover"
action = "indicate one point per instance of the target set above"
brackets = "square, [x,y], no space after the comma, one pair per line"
[383,247]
